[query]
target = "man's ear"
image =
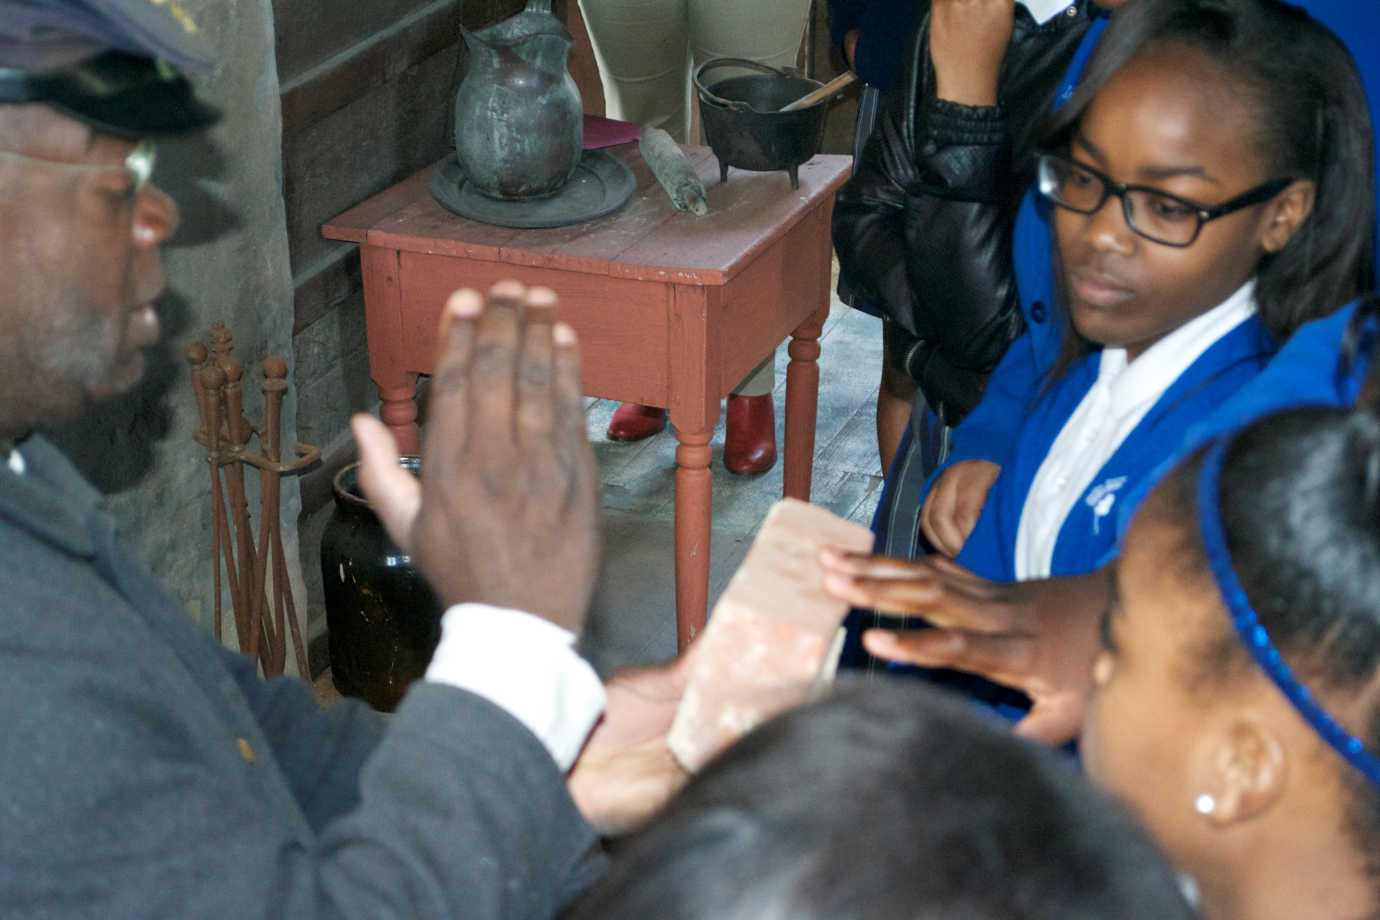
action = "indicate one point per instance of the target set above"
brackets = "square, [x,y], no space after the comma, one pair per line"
[1242,771]
[1286,213]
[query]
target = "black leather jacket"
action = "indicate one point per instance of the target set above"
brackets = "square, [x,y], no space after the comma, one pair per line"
[923,228]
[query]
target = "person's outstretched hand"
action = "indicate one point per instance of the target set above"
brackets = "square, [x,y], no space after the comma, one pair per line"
[506,511]
[968,40]
[1039,637]
[626,772]
[954,503]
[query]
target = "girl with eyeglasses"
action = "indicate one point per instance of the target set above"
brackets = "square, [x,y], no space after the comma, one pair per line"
[979,446]
[1211,187]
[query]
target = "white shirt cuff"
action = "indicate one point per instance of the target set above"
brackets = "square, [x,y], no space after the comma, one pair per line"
[527,666]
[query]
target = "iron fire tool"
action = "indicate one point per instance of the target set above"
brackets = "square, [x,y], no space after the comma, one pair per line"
[270,477]
[197,357]
[237,430]
[225,432]
[229,404]
[212,380]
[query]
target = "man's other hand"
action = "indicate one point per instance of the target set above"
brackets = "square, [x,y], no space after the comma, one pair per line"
[506,511]
[626,772]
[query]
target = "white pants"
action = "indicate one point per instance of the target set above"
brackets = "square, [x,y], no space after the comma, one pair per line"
[647,48]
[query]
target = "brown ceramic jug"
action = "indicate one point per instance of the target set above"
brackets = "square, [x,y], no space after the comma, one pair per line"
[382,618]
[518,122]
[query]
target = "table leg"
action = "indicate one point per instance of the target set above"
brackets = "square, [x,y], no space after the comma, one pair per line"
[383,310]
[694,495]
[802,404]
[398,410]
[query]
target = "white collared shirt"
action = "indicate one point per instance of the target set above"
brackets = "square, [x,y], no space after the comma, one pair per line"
[1045,10]
[16,462]
[1119,399]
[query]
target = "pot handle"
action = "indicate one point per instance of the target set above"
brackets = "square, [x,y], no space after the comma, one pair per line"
[707,96]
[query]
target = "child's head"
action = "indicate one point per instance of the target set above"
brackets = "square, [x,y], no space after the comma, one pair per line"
[887,802]
[1252,117]
[1259,552]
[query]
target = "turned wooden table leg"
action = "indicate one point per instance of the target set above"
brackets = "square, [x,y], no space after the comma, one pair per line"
[694,488]
[383,311]
[802,404]
[398,410]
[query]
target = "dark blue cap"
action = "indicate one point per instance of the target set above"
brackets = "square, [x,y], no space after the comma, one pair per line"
[117,65]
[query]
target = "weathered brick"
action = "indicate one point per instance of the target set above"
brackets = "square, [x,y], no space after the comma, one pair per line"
[767,639]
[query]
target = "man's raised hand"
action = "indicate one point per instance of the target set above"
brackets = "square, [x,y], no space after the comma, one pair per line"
[506,511]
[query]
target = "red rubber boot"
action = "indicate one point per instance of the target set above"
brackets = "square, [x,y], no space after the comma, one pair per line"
[750,436]
[634,421]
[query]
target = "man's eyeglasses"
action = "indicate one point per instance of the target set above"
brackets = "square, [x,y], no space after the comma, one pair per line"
[1155,215]
[139,163]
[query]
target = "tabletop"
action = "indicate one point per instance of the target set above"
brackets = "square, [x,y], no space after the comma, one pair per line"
[646,239]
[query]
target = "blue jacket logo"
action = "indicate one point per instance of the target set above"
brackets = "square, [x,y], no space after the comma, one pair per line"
[1101,499]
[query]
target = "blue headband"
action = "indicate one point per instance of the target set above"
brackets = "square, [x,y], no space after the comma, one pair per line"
[1253,634]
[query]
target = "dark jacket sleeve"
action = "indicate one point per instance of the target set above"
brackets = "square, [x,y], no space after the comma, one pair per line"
[884,27]
[923,229]
[321,752]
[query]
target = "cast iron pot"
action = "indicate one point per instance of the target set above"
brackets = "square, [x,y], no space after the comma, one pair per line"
[743,125]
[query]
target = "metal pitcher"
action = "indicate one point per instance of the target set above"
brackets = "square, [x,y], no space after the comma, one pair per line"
[518,117]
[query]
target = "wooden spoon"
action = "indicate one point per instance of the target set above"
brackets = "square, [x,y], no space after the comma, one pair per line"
[824,92]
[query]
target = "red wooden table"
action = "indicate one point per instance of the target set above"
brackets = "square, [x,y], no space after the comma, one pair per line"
[671,309]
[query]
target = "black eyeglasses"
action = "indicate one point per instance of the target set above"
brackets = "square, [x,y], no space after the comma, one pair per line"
[1155,215]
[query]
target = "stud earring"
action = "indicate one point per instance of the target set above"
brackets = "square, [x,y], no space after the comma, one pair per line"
[1204,804]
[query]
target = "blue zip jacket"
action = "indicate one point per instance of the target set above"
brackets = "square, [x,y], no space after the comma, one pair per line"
[1089,532]
[1310,370]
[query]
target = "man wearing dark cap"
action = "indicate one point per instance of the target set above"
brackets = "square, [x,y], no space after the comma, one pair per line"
[144,770]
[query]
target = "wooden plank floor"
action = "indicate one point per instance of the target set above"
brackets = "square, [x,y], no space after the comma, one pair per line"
[633,616]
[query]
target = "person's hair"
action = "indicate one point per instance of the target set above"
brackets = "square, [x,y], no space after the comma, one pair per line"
[1299,499]
[886,802]
[1311,122]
